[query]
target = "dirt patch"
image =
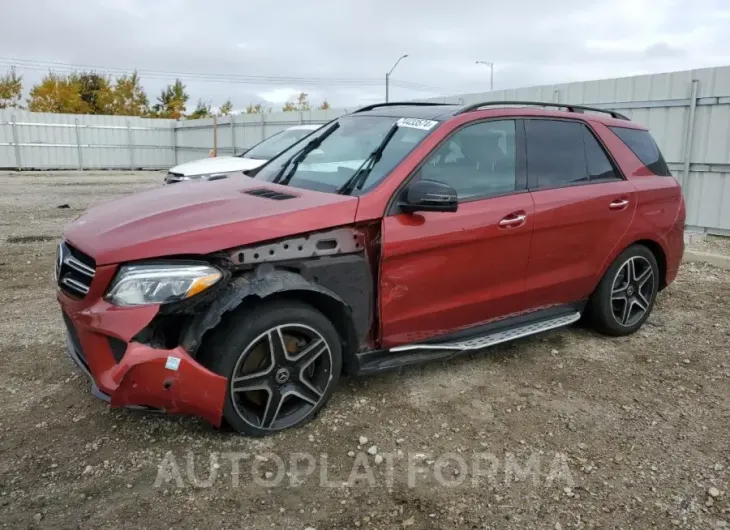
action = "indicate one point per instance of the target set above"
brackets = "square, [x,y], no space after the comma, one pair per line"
[712,244]
[30,239]
[564,430]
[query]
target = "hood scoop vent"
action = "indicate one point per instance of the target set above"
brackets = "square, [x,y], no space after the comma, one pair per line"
[266,193]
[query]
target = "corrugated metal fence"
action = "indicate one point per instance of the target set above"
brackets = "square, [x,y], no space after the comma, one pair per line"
[34,140]
[688,113]
[235,133]
[37,140]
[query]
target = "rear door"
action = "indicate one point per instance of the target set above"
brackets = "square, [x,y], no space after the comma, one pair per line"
[583,207]
[445,271]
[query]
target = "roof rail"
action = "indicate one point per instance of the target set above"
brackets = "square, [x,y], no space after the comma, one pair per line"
[400,103]
[571,108]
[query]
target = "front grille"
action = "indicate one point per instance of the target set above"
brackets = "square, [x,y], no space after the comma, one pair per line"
[75,342]
[74,270]
[269,194]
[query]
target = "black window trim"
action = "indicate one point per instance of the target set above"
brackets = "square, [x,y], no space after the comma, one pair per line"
[532,182]
[392,207]
[661,155]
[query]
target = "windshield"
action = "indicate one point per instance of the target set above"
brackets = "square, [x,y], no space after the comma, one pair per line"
[346,148]
[274,145]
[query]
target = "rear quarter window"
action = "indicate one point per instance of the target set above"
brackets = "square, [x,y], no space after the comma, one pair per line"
[645,148]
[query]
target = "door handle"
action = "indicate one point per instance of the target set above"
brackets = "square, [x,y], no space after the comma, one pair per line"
[512,220]
[618,204]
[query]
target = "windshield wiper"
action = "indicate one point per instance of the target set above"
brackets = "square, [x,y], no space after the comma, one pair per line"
[295,160]
[358,178]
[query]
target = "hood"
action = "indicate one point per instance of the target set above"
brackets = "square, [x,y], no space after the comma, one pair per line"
[189,219]
[216,164]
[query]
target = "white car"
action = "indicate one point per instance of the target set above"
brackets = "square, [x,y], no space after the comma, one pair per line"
[258,155]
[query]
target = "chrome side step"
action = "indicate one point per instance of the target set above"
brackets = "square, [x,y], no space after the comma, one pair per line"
[498,337]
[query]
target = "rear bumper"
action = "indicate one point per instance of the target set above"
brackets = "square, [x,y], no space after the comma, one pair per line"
[169,380]
[674,241]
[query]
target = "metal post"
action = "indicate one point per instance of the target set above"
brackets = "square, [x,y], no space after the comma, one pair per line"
[556,96]
[387,76]
[233,134]
[263,127]
[78,144]
[689,131]
[16,143]
[301,117]
[215,135]
[491,74]
[173,129]
[131,146]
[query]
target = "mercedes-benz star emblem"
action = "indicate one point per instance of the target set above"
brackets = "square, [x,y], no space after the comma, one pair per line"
[282,376]
[59,261]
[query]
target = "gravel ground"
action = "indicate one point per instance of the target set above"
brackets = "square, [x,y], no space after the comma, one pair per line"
[712,244]
[565,430]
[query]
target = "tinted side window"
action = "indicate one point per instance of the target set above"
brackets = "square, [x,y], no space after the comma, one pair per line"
[477,160]
[599,166]
[645,149]
[555,153]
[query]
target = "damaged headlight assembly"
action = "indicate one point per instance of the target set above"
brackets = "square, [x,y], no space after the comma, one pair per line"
[157,283]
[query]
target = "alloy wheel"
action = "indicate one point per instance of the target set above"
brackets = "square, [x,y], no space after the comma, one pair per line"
[632,291]
[281,376]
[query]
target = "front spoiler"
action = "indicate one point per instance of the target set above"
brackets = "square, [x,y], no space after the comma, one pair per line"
[160,380]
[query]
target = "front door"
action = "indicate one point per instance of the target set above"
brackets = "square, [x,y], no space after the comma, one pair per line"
[443,272]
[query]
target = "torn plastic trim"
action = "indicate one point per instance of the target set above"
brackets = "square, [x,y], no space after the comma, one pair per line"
[264,281]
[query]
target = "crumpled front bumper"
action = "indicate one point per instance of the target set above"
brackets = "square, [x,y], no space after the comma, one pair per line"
[139,376]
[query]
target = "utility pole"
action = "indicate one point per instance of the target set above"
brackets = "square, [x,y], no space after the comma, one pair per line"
[387,77]
[491,74]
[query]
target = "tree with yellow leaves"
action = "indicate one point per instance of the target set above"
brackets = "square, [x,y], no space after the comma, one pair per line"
[226,108]
[58,93]
[300,103]
[75,93]
[255,109]
[11,90]
[129,97]
[171,103]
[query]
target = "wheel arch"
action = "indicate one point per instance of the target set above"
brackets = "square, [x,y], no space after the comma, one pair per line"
[268,284]
[656,248]
[336,310]
[660,256]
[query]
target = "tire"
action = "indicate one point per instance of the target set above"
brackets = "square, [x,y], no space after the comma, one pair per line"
[281,384]
[606,310]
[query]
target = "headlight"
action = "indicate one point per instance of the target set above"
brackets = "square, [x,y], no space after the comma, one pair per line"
[171,178]
[160,283]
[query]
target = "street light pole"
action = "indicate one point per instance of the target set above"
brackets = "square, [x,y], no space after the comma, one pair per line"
[387,77]
[491,74]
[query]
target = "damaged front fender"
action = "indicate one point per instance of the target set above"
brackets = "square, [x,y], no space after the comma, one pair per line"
[262,283]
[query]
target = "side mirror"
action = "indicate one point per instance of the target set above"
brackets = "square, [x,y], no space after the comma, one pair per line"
[429,196]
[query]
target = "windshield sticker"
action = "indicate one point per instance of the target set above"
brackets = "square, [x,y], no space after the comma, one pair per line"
[415,123]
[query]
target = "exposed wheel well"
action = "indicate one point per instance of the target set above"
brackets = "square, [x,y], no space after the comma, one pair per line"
[661,259]
[334,311]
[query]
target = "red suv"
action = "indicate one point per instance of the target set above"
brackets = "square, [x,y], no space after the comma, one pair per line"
[398,234]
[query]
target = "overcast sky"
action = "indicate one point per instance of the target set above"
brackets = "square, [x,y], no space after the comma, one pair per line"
[531,42]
